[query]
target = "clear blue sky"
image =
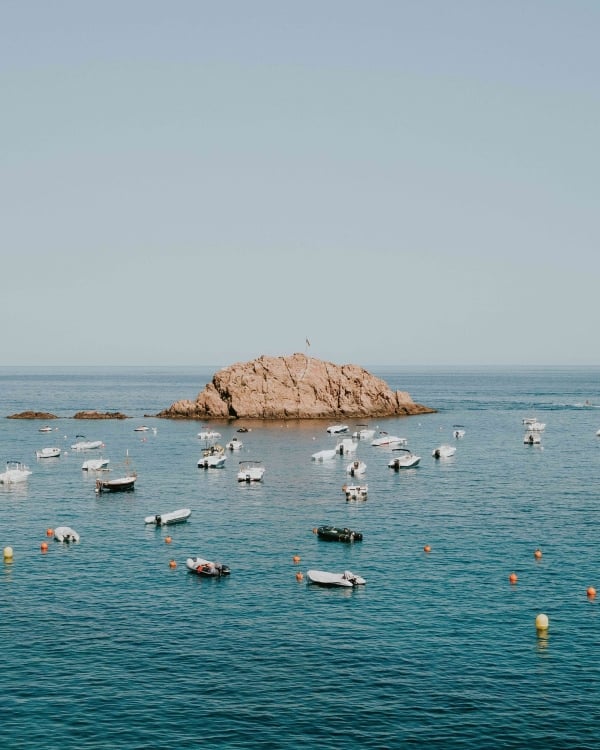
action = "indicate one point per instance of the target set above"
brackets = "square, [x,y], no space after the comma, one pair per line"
[403,183]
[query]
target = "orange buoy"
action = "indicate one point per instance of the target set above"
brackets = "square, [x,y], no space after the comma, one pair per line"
[426,548]
[296,558]
[168,540]
[513,578]
[172,564]
[315,530]
[44,547]
[299,576]
[591,592]
[537,554]
[49,532]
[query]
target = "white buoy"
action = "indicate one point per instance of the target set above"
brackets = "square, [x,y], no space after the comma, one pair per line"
[8,554]
[541,622]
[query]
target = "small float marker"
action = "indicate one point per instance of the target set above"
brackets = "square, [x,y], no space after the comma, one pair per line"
[426,548]
[541,622]
[296,559]
[8,554]
[513,578]
[591,592]
[538,554]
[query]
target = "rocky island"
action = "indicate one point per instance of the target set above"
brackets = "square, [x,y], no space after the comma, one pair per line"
[295,387]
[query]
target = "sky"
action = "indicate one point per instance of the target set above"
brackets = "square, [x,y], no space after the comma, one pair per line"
[395,183]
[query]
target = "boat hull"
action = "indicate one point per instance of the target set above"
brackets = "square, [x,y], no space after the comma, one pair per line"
[175,516]
[123,484]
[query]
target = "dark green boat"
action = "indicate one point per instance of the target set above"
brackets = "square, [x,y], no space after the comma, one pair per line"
[337,534]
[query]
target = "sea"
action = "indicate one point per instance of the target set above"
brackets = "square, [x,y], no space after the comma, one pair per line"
[113,643]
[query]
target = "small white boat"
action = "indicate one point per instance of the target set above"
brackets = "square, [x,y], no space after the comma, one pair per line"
[386,439]
[346,446]
[347,579]
[203,567]
[598,433]
[234,444]
[363,432]
[87,445]
[48,453]
[209,435]
[459,431]
[174,516]
[324,455]
[141,428]
[212,461]
[46,428]
[16,472]
[405,460]
[355,491]
[65,534]
[532,437]
[532,424]
[444,451]
[334,429]
[250,471]
[95,464]
[356,468]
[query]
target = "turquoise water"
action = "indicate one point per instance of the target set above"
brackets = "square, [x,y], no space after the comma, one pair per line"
[105,645]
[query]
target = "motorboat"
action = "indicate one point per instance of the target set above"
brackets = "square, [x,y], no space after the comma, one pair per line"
[598,433]
[95,464]
[214,460]
[532,424]
[335,429]
[48,453]
[234,444]
[346,579]
[363,432]
[385,439]
[458,431]
[209,435]
[324,455]
[405,459]
[46,428]
[337,534]
[532,437]
[203,567]
[250,471]
[444,451]
[355,491]
[87,445]
[16,472]
[174,516]
[356,468]
[65,534]
[141,428]
[346,446]
[119,484]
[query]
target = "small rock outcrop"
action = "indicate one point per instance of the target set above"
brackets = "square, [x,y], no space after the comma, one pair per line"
[32,415]
[294,387]
[91,414]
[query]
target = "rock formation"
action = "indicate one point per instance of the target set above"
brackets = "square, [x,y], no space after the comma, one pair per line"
[91,414]
[294,387]
[33,415]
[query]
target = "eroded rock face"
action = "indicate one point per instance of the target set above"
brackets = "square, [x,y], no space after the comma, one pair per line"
[33,415]
[294,387]
[92,414]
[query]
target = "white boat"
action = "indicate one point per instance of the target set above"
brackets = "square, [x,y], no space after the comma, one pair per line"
[363,432]
[532,437]
[459,431]
[203,567]
[46,428]
[87,445]
[212,460]
[406,459]
[346,446]
[141,428]
[234,444]
[174,516]
[324,455]
[16,472]
[532,424]
[444,451]
[355,491]
[347,579]
[356,468]
[95,464]
[209,435]
[65,534]
[386,439]
[334,429]
[250,471]
[48,453]
[598,433]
